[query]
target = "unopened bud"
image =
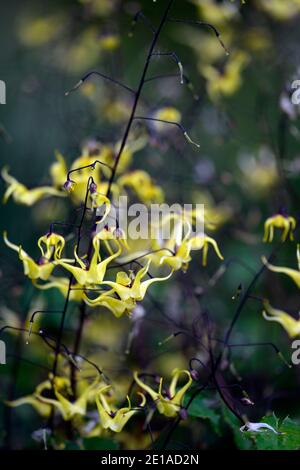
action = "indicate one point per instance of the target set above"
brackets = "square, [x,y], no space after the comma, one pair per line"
[42,260]
[93,188]
[118,233]
[69,186]
[195,375]
[183,413]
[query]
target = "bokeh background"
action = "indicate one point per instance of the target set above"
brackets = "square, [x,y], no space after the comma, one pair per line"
[246,170]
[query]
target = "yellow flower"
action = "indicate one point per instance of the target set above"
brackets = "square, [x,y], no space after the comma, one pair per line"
[167,113]
[213,216]
[280,10]
[259,174]
[127,288]
[215,12]
[58,171]
[38,31]
[170,404]
[227,81]
[67,408]
[22,195]
[109,42]
[202,242]
[182,257]
[93,272]
[54,244]
[62,284]
[294,274]
[116,306]
[40,270]
[281,221]
[99,200]
[62,391]
[43,409]
[81,177]
[142,184]
[111,417]
[290,324]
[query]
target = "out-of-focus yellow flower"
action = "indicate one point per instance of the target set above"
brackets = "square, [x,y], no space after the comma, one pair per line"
[88,89]
[259,174]
[215,216]
[82,52]
[168,404]
[99,200]
[280,10]
[35,32]
[115,110]
[58,171]
[100,7]
[67,408]
[142,184]
[205,45]
[62,284]
[290,324]
[167,113]
[43,409]
[136,143]
[294,274]
[22,195]
[62,390]
[227,81]
[216,13]
[257,39]
[111,417]
[40,270]
[81,177]
[281,221]
[109,42]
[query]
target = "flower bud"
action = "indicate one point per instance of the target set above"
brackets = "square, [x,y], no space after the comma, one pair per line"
[42,260]
[195,375]
[93,188]
[246,401]
[69,186]
[183,413]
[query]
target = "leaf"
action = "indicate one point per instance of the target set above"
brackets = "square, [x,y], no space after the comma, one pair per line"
[200,408]
[288,440]
[98,443]
[242,440]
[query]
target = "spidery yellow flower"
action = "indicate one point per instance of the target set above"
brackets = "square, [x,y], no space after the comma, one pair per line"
[111,417]
[294,274]
[167,404]
[34,270]
[290,324]
[281,221]
[22,195]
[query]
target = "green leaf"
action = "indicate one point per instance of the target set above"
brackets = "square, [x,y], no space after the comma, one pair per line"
[98,443]
[289,439]
[201,408]
[242,440]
